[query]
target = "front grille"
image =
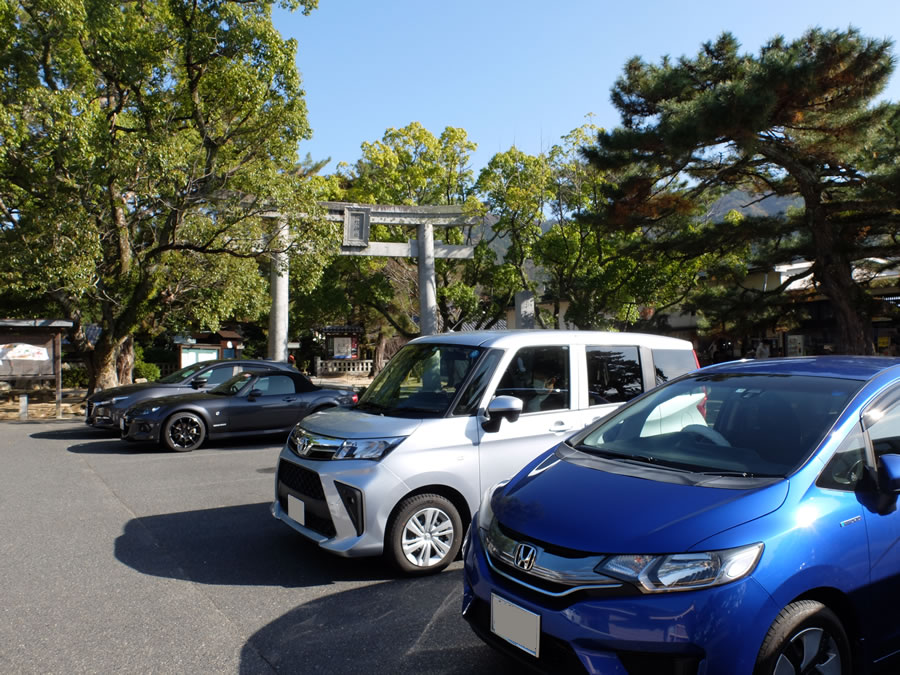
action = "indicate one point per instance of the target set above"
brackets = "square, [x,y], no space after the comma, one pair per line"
[306,486]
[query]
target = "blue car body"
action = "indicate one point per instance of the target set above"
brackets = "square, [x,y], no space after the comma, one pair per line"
[836,545]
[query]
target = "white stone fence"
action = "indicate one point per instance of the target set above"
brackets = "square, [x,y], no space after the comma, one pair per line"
[342,366]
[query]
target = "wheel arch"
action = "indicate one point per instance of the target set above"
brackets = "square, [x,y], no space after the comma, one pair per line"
[450,494]
[839,603]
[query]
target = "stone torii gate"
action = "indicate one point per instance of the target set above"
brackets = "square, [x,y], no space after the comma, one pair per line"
[357,219]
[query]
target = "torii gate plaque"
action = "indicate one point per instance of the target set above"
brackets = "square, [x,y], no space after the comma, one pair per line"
[357,218]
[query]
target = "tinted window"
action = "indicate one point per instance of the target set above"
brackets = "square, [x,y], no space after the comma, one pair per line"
[274,385]
[614,374]
[182,374]
[540,377]
[671,363]
[474,392]
[217,375]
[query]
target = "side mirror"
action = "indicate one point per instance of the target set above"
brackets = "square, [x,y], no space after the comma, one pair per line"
[199,382]
[890,472]
[508,407]
[255,394]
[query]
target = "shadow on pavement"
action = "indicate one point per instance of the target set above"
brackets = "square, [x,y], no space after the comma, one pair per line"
[400,626]
[81,432]
[235,545]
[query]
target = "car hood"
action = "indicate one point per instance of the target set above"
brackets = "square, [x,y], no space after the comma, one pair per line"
[124,390]
[350,423]
[587,509]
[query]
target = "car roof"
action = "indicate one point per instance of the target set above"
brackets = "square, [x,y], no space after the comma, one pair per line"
[504,339]
[845,367]
[274,365]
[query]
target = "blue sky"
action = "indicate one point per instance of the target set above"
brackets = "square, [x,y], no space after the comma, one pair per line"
[518,72]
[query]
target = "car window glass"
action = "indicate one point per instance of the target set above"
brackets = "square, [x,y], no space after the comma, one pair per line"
[614,374]
[421,380]
[847,466]
[540,377]
[471,397]
[885,433]
[275,385]
[759,424]
[671,363]
[217,375]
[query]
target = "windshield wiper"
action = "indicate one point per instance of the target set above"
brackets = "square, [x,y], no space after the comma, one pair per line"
[375,407]
[637,459]
[737,474]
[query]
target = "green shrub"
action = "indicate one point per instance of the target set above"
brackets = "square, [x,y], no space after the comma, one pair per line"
[74,377]
[148,371]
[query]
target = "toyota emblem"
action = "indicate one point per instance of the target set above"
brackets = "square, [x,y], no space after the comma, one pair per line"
[525,556]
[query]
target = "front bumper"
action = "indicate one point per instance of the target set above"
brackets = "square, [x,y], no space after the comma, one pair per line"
[329,518]
[102,416]
[134,428]
[703,632]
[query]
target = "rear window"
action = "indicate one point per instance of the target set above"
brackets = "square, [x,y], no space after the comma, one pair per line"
[614,374]
[671,363]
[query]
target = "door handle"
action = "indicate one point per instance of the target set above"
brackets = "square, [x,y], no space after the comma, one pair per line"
[560,426]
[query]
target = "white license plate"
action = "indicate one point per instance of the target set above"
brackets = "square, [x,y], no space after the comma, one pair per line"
[296,510]
[516,625]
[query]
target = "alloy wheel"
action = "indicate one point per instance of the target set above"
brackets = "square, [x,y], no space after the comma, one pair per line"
[427,537]
[810,652]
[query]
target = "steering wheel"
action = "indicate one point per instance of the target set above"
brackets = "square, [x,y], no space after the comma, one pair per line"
[707,434]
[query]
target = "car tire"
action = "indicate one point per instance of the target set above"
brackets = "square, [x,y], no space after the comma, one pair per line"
[183,432]
[425,534]
[804,634]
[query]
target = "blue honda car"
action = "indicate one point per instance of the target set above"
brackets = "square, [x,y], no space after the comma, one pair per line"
[758,536]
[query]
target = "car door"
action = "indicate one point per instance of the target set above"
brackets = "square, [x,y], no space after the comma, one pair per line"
[883,526]
[275,405]
[542,377]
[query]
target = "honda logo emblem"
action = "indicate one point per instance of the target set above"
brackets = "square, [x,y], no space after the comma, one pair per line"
[525,556]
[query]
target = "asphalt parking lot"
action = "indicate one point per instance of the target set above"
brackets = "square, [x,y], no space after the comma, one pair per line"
[129,559]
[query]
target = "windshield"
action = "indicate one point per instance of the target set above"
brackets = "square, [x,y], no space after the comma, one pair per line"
[232,386]
[748,425]
[182,374]
[420,381]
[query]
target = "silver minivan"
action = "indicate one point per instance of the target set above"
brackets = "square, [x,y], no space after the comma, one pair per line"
[402,472]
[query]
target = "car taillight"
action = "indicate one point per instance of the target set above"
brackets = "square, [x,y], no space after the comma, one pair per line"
[696,360]
[355,398]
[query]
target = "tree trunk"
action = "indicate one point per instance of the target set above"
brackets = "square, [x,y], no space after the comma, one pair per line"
[125,361]
[103,372]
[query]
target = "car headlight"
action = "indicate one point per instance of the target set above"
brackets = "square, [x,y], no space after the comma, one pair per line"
[305,444]
[683,571]
[485,510]
[366,448]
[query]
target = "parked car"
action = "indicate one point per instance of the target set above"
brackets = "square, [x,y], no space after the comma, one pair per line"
[249,404]
[401,472]
[105,408]
[764,540]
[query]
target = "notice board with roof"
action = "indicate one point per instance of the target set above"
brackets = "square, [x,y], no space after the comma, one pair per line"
[31,350]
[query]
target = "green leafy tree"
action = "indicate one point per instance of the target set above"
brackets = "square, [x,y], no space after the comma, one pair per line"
[799,118]
[143,148]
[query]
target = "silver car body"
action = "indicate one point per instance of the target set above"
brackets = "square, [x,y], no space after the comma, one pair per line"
[453,456]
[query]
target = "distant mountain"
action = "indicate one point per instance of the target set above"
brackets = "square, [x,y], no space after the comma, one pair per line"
[746,204]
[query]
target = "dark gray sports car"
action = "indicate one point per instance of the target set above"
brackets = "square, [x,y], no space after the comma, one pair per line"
[105,408]
[250,403]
